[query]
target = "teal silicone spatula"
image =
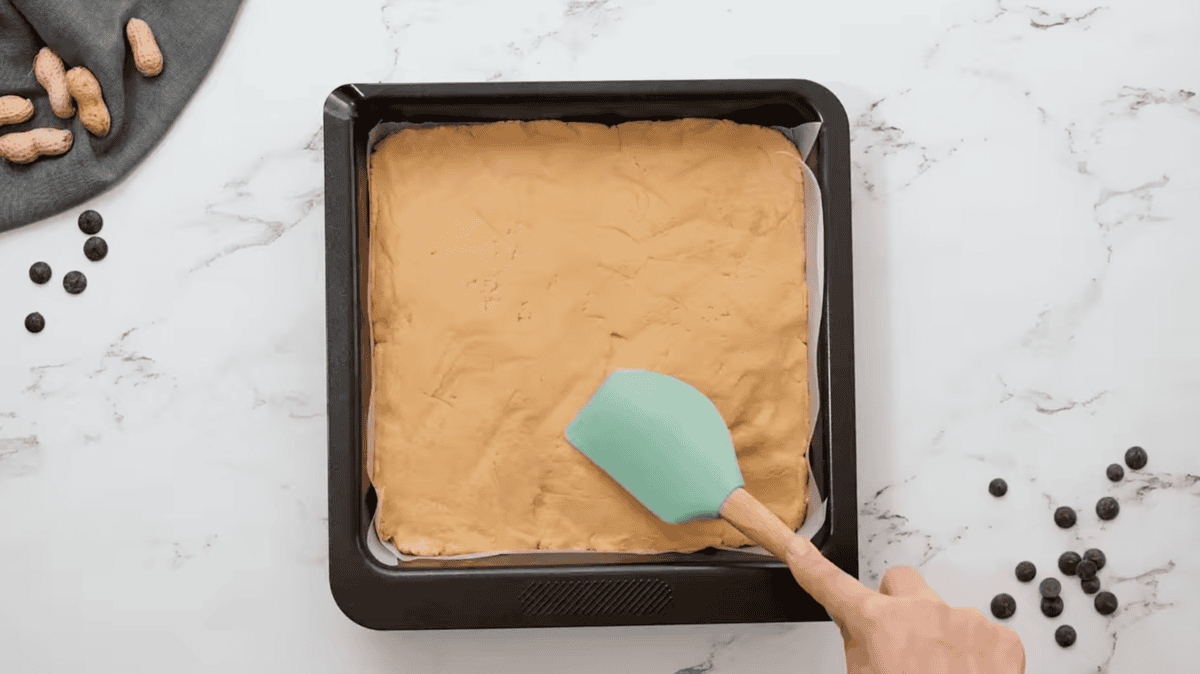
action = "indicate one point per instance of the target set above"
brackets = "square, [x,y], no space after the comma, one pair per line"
[666,443]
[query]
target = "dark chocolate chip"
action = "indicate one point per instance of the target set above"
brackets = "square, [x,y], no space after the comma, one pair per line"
[1064,635]
[1135,458]
[1067,562]
[1096,556]
[1086,570]
[1115,472]
[1090,586]
[1050,588]
[1106,603]
[95,248]
[1107,508]
[1064,517]
[1003,606]
[74,282]
[1026,572]
[34,322]
[998,487]
[1052,607]
[90,222]
[39,272]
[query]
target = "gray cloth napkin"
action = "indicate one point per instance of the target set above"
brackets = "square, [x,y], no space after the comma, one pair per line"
[91,33]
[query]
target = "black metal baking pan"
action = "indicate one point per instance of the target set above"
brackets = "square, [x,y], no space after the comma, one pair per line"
[574,589]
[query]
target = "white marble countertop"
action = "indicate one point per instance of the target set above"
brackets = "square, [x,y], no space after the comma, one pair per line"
[1025,205]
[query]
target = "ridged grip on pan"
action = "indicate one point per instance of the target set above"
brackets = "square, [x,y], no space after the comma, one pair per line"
[635,596]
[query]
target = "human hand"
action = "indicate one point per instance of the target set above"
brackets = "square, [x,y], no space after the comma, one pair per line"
[905,627]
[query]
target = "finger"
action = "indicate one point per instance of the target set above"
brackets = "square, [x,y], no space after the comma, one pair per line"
[840,593]
[905,581]
[1009,649]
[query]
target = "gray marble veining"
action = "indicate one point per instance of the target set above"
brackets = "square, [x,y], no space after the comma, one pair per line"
[1025,209]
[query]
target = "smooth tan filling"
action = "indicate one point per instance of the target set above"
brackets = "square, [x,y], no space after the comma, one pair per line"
[515,265]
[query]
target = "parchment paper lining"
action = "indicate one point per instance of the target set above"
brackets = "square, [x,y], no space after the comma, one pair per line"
[804,137]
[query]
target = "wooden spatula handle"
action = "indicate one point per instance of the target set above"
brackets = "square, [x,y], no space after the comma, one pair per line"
[753,519]
[839,592]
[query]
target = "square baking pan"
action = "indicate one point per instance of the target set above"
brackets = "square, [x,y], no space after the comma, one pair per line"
[577,588]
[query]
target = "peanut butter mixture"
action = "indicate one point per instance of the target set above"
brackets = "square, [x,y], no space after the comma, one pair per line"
[515,265]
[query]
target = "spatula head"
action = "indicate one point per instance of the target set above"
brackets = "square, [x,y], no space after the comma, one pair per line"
[662,440]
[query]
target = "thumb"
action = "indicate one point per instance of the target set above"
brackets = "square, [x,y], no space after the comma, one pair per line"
[905,581]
